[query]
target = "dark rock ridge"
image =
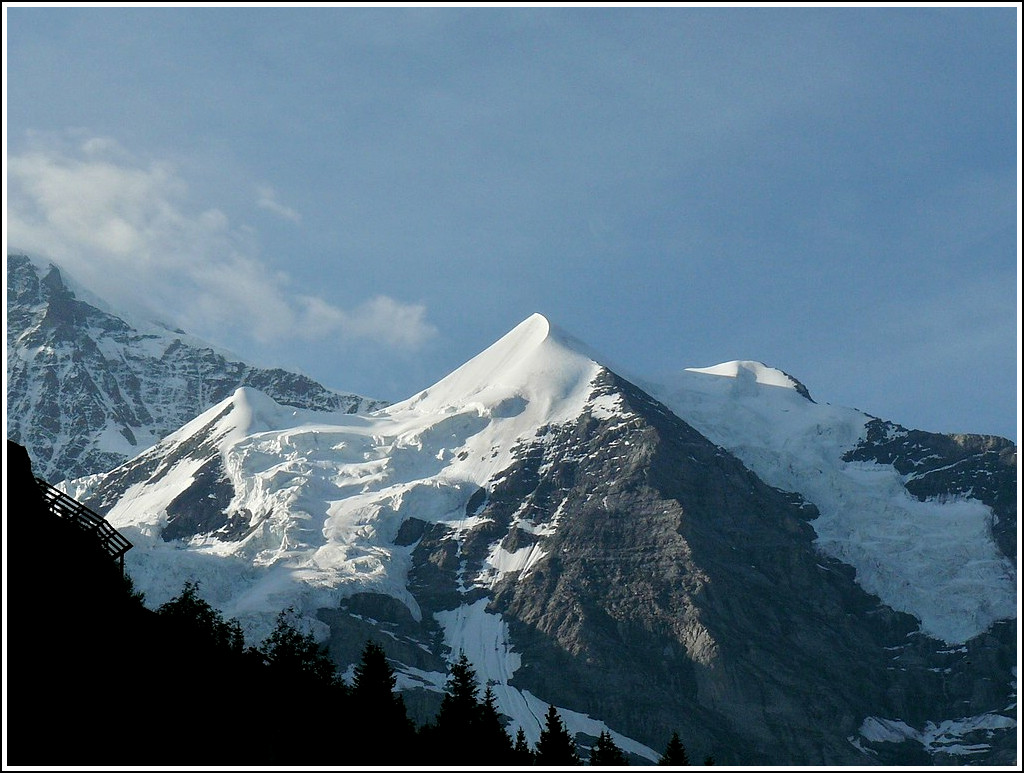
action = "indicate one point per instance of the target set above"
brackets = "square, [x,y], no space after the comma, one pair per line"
[800,388]
[78,376]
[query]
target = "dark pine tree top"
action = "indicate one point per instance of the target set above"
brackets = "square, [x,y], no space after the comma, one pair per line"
[675,752]
[522,754]
[374,680]
[378,711]
[288,651]
[191,613]
[459,705]
[451,740]
[605,752]
[490,732]
[555,747]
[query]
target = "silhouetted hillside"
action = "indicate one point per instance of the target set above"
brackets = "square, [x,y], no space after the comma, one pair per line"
[95,678]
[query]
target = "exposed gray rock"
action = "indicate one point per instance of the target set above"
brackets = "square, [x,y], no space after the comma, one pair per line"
[202,508]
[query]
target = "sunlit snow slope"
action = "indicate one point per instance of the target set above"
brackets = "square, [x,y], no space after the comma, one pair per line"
[324,494]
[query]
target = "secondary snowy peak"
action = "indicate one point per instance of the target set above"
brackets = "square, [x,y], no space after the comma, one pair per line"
[141,492]
[246,412]
[535,366]
[749,372]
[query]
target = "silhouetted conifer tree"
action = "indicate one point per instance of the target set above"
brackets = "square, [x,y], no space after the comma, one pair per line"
[675,752]
[493,740]
[522,754]
[555,747]
[451,739]
[605,752]
[467,731]
[298,654]
[300,673]
[377,710]
[374,681]
[194,616]
[459,705]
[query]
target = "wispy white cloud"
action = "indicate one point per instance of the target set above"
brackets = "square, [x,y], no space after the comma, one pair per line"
[127,229]
[266,198]
[381,319]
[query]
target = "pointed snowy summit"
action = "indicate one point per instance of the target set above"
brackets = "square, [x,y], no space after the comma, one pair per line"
[535,362]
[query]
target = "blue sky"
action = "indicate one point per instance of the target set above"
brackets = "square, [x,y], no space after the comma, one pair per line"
[374,195]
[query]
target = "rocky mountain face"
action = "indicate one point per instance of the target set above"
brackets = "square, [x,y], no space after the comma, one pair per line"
[86,390]
[778,580]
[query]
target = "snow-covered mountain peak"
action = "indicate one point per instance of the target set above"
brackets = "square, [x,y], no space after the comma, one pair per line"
[535,364]
[322,496]
[246,412]
[748,373]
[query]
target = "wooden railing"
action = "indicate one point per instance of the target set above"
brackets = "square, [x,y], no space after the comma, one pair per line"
[63,506]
